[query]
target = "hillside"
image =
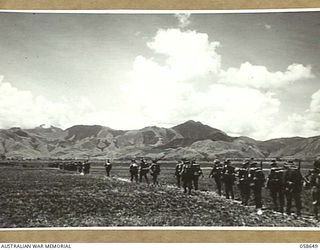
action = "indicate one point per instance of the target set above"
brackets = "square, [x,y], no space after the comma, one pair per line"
[187,140]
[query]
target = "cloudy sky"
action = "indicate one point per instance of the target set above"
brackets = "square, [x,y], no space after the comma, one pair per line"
[247,74]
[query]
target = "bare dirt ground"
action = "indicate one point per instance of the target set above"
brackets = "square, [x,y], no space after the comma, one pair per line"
[45,197]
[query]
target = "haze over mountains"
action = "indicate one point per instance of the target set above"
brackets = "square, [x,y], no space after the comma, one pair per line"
[188,140]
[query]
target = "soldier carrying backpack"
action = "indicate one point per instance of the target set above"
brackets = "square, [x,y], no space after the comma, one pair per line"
[257,180]
[197,172]
[187,176]
[228,178]
[314,177]
[87,166]
[143,171]
[134,168]
[108,167]
[178,173]
[155,171]
[216,173]
[293,182]
[276,186]
[244,183]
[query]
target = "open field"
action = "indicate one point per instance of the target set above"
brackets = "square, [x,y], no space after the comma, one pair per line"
[207,184]
[44,197]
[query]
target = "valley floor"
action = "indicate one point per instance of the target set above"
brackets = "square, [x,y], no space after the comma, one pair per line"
[44,197]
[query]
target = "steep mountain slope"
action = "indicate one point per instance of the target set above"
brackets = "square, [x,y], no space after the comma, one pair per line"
[50,134]
[223,149]
[295,147]
[187,140]
[192,131]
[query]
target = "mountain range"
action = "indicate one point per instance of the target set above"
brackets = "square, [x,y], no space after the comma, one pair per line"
[187,140]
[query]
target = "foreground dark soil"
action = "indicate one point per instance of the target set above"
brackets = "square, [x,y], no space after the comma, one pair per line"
[44,197]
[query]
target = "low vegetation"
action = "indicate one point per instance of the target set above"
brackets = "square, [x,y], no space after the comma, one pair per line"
[47,197]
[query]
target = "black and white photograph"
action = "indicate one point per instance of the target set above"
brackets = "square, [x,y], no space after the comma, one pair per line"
[129,119]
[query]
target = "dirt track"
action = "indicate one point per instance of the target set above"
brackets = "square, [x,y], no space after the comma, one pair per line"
[53,198]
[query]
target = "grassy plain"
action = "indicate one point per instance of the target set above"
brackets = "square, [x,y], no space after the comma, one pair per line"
[38,196]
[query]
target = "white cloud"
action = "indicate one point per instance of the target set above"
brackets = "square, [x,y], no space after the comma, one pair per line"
[20,108]
[189,54]
[153,94]
[183,19]
[236,110]
[239,110]
[260,77]
[310,121]
[306,124]
[315,103]
[163,91]
[293,126]
[166,93]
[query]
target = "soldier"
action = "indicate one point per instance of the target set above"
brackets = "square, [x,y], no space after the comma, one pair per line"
[315,190]
[314,176]
[61,166]
[293,181]
[81,168]
[155,171]
[134,170]
[187,176]
[257,180]
[178,173]
[275,186]
[228,177]
[197,172]
[316,165]
[108,167]
[87,165]
[77,165]
[244,183]
[216,173]
[143,170]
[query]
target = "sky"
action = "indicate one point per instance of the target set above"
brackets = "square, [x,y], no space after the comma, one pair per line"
[248,74]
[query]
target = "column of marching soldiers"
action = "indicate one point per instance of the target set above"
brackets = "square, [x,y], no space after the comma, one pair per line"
[285,183]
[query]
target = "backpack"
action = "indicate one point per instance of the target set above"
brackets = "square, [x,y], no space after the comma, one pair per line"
[243,175]
[108,165]
[293,180]
[179,168]
[275,179]
[134,167]
[155,168]
[256,178]
[229,174]
[187,170]
[196,169]
[216,171]
[144,168]
[315,180]
[86,168]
